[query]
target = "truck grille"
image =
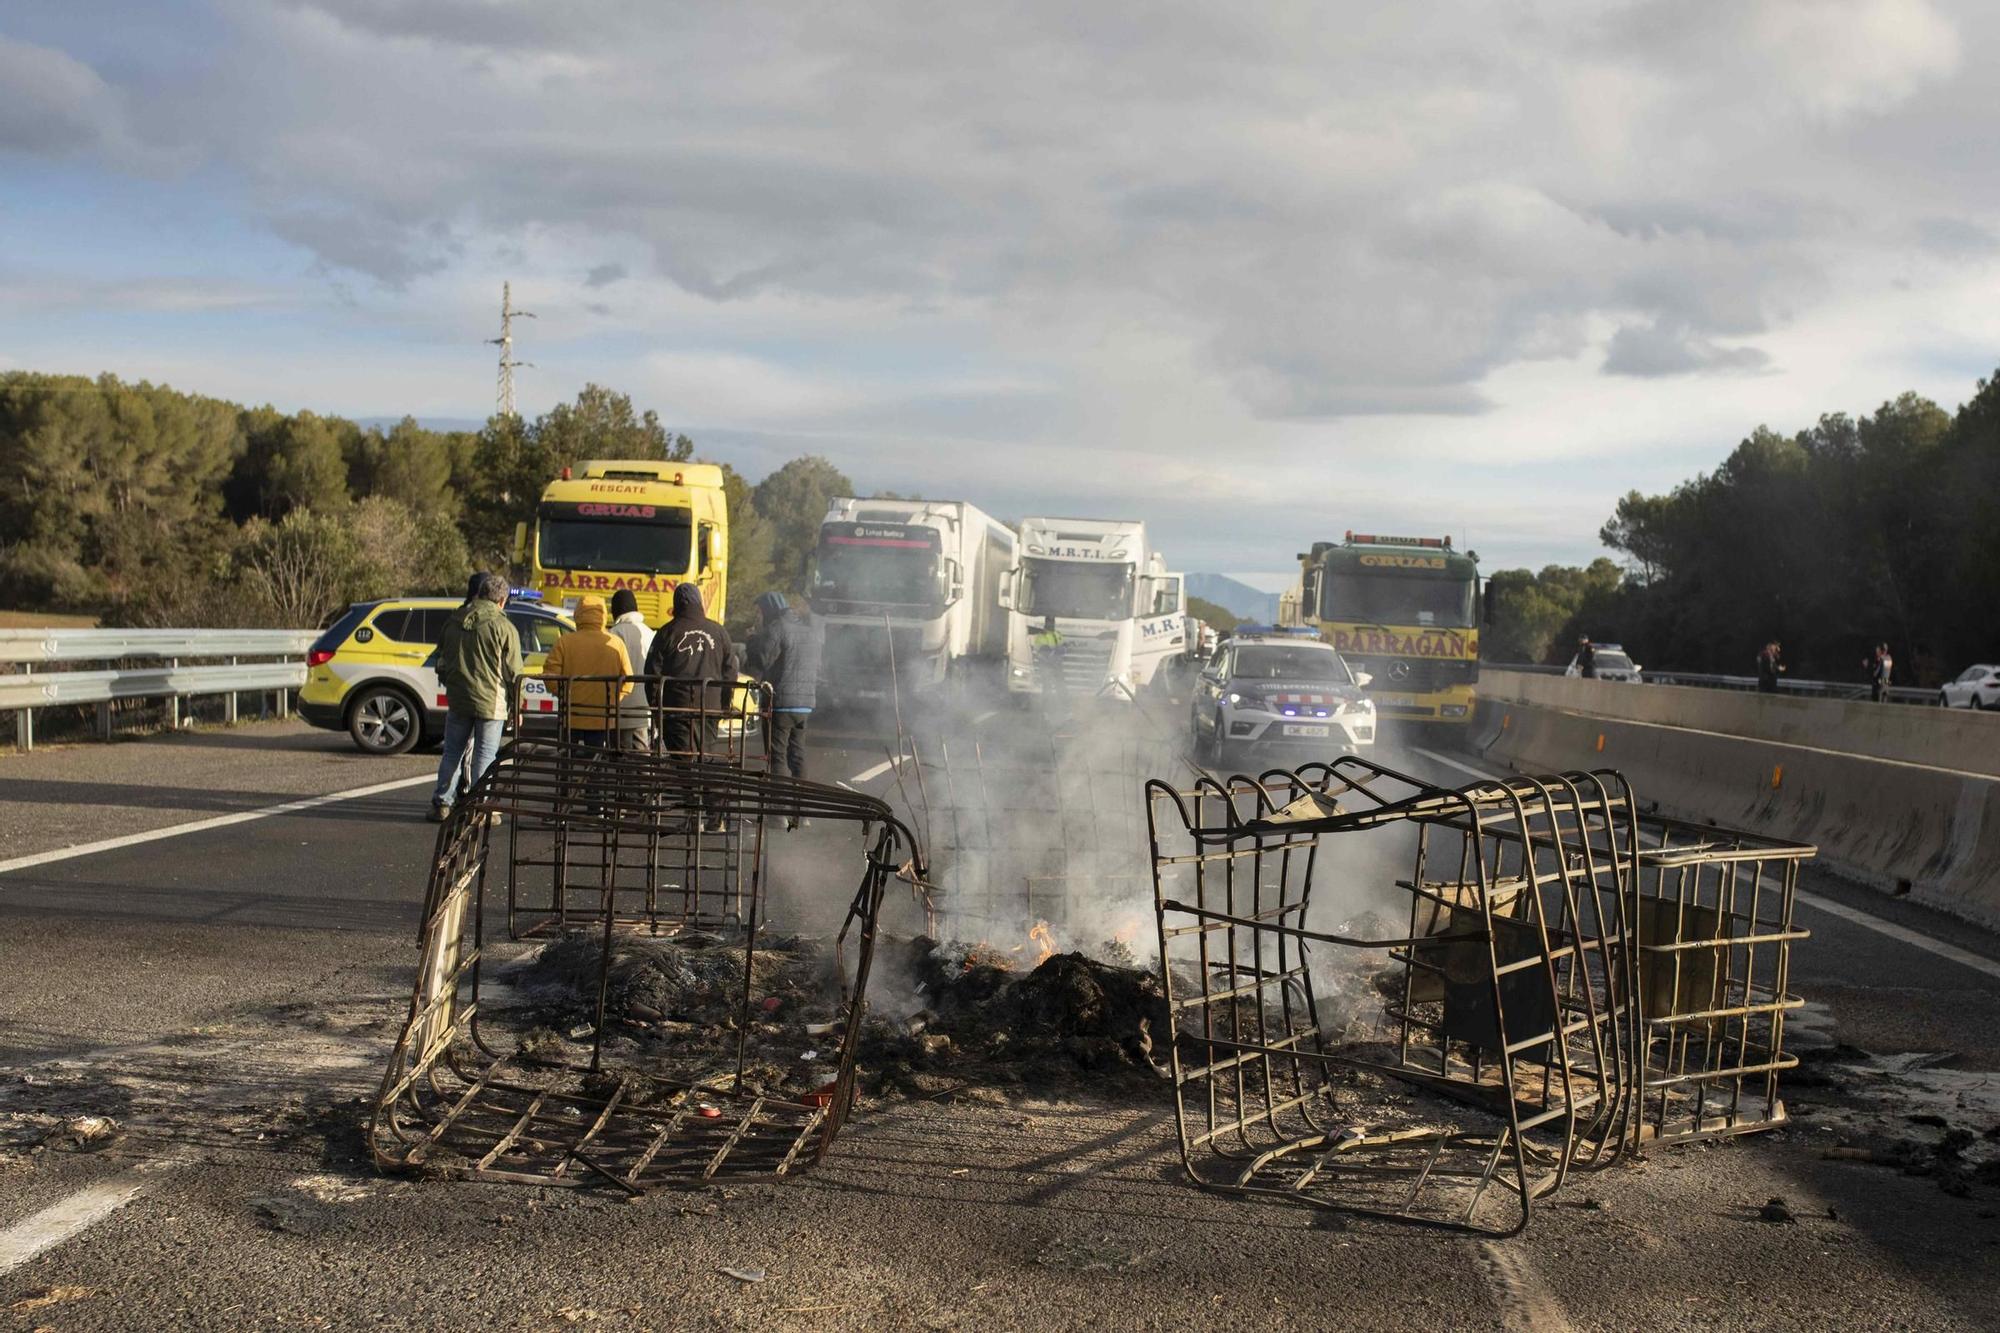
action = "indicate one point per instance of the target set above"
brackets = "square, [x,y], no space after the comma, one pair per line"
[1424,674]
[1085,663]
[857,656]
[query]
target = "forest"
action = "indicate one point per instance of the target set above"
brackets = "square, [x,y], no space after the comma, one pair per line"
[1851,532]
[146,506]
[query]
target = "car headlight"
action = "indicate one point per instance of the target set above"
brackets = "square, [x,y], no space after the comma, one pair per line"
[1236,698]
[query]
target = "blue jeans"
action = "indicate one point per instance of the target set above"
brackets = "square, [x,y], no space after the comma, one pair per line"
[483,737]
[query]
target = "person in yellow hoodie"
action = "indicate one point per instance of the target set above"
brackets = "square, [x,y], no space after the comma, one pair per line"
[589,650]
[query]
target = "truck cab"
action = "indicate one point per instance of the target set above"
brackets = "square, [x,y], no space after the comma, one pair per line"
[645,525]
[908,595]
[1119,614]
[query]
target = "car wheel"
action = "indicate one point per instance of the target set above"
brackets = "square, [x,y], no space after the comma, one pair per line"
[1977,706]
[383,721]
[1944,700]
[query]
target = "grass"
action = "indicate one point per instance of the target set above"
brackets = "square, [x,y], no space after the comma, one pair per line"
[44,620]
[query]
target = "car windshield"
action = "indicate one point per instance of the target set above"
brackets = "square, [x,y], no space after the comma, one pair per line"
[658,543]
[1610,659]
[1398,599]
[1076,589]
[1286,662]
[853,569]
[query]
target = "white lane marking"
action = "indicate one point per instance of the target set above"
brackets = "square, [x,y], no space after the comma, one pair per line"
[1448,762]
[985,716]
[1903,933]
[65,1218]
[201,825]
[1915,939]
[870,774]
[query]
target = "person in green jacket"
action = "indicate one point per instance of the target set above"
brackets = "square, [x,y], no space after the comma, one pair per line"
[479,662]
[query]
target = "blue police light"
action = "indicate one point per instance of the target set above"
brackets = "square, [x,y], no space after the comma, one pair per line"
[523,595]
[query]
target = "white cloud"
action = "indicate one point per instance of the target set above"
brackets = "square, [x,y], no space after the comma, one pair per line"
[1344,263]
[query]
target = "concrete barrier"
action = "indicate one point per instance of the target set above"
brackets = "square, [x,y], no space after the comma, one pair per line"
[1924,830]
[1940,737]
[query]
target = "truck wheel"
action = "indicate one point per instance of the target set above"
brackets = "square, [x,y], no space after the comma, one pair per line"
[383,721]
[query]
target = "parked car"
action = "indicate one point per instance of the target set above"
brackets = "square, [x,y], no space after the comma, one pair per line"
[1613,663]
[1278,693]
[372,674]
[1974,687]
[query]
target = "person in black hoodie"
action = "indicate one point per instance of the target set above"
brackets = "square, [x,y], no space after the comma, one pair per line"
[688,649]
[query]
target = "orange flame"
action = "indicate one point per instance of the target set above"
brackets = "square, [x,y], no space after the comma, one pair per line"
[1043,939]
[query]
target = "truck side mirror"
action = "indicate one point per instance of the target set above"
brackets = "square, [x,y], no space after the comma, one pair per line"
[1361,678]
[1486,605]
[520,542]
[1006,589]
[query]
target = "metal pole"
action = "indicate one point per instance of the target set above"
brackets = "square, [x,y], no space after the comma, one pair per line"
[229,703]
[26,730]
[173,701]
[104,720]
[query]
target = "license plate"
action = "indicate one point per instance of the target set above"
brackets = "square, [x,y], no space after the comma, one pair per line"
[1397,700]
[1295,729]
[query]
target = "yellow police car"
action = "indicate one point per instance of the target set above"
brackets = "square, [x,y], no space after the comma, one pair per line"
[370,673]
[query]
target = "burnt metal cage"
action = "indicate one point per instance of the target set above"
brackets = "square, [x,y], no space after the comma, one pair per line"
[1715,928]
[702,869]
[1560,961]
[457,1098]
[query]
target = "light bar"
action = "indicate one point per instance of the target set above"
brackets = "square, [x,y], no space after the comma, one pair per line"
[1371,539]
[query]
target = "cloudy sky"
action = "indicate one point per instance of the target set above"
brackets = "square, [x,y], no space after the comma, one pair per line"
[1255,272]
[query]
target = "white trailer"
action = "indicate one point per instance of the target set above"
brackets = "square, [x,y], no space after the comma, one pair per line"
[1120,614]
[916,582]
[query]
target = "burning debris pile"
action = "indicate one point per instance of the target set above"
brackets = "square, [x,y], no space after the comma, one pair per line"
[990,1018]
[944,1015]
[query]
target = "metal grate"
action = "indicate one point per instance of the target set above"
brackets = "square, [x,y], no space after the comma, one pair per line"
[1559,966]
[455,1098]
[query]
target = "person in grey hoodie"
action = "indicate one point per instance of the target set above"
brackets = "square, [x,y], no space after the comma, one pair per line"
[634,717]
[785,651]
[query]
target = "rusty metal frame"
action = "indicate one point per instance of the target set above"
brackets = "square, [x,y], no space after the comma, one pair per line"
[1258,1104]
[453,1099]
[704,872]
[1715,919]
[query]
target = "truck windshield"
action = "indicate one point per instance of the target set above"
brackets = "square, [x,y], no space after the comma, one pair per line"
[1398,599]
[858,569]
[1284,662]
[1076,589]
[658,543]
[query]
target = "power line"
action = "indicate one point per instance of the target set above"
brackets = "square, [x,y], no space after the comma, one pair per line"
[508,314]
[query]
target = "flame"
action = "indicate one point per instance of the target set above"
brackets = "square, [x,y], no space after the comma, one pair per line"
[1043,939]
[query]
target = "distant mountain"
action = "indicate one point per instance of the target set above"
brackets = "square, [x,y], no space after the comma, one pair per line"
[1239,597]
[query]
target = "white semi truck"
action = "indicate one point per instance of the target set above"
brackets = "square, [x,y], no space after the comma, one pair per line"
[916,582]
[1120,615]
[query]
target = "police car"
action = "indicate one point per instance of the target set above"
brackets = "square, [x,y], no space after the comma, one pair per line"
[1273,693]
[372,673]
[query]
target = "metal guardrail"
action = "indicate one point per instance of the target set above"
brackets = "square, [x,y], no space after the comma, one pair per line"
[24,689]
[106,645]
[1812,689]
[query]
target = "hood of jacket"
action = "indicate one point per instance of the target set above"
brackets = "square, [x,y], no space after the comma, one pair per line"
[687,602]
[590,613]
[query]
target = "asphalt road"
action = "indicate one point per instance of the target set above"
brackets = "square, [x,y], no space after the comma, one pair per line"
[229,994]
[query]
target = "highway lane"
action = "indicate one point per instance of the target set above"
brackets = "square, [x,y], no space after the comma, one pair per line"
[244,981]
